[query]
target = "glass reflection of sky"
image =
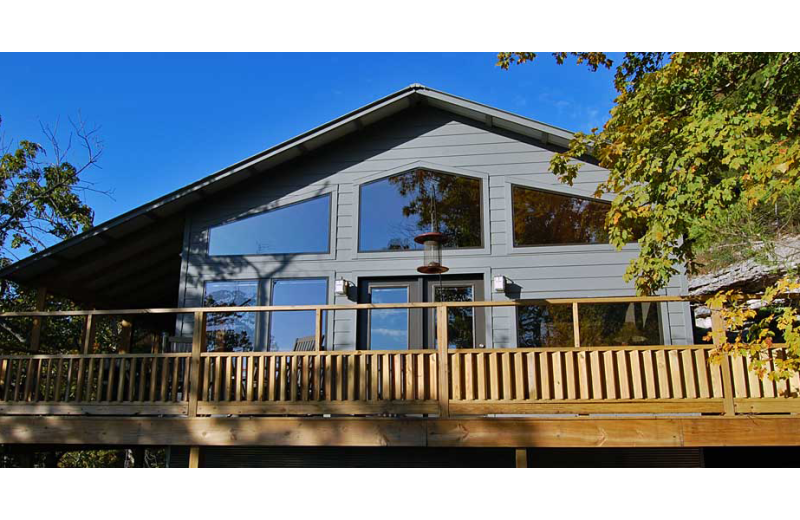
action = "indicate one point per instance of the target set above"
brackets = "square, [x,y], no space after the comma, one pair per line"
[383,226]
[299,228]
[389,327]
[286,327]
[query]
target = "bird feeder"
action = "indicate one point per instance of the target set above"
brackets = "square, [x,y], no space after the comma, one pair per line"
[432,244]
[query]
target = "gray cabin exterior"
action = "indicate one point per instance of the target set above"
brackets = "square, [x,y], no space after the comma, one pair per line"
[429,134]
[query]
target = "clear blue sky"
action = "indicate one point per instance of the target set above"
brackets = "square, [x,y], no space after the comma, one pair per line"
[169,119]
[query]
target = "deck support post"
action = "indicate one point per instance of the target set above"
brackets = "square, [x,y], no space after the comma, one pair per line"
[194,457]
[441,354]
[521,457]
[38,323]
[718,334]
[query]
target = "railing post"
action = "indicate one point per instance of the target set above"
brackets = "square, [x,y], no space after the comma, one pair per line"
[718,334]
[86,348]
[126,331]
[444,383]
[198,343]
[318,330]
[576,326]
[38,323]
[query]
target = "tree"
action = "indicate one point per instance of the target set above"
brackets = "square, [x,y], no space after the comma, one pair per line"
[42,201]
[693,138]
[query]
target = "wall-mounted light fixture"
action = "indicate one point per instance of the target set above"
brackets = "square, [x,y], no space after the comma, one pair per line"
[341,287]
[499,283]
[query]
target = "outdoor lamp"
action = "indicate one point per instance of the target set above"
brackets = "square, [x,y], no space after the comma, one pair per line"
[499,283]
[341,287]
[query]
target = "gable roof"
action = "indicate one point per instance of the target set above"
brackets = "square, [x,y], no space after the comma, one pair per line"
[164,211]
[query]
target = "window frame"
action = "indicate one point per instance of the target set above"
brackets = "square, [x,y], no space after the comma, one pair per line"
[565,191]
[483,249]
[276,204]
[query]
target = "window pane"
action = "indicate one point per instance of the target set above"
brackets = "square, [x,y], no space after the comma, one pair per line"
[396,209]
[231,331]
[545,326]
[546,218]
[287,327]
[299,228]
[460,320]
[619,324]
[388,328]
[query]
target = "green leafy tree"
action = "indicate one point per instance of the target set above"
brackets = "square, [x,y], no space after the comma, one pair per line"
[692,140]
[691,135]
[42,201]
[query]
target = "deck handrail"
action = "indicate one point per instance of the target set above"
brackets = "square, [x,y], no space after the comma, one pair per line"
[355,306]
[439,380]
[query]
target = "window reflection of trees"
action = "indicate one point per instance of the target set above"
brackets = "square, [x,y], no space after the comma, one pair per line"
[448,203]
[460,320]
[547,218]
[230,331]
[614,324]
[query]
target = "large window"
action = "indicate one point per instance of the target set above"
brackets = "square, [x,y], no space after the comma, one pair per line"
[546,218]
[303,227]
[396,209]
[231,331]
[606,324]
[288,329]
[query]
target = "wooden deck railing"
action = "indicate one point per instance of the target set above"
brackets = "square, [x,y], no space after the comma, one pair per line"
[661,379]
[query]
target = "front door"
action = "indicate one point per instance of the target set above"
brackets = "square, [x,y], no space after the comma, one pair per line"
[402,329]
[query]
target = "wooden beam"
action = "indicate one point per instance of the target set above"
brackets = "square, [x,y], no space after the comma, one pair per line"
[483,432]
[38,323]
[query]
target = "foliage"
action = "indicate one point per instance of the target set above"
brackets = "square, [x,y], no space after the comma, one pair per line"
[753,335]
[41,201]
[690,136]
[696,140]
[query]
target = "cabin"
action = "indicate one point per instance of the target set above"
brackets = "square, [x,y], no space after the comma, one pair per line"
[406,284]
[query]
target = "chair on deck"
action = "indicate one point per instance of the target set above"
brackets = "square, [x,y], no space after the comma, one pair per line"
[305,344]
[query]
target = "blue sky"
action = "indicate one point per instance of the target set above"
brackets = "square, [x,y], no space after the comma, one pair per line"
[169,119]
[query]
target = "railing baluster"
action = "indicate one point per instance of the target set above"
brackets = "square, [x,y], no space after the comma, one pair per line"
[100,377]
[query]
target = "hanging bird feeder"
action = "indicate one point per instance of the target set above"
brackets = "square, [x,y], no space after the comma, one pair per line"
[432,243]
